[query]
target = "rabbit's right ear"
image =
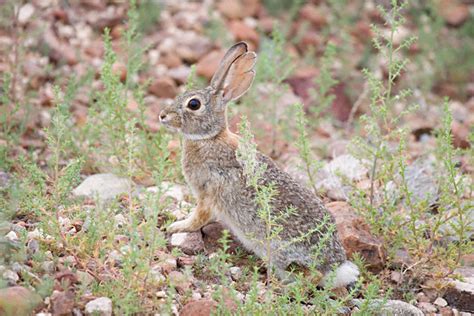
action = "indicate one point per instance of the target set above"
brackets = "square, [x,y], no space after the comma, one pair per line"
[235,73]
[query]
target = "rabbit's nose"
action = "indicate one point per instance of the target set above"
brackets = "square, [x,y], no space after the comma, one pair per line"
[163,117]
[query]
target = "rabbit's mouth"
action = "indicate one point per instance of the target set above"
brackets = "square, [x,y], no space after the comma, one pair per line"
[170,121]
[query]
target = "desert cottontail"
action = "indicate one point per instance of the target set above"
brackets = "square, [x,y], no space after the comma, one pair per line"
[217,179]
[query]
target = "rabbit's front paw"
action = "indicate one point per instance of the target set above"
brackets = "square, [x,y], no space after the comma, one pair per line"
[179,226]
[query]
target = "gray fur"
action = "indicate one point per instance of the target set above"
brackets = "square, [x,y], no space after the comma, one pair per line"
[216,178]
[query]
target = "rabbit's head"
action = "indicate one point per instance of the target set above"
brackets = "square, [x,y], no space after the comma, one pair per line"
[201,114]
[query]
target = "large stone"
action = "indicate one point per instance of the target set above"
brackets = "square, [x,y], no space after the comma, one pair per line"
[208,64]
[421,182]
[62,302]
[333,175]
[314,15]
[355,235]
[101,306]
[453,11]
[243,32]
[391,308]
[164,87]
[203,307]
[105,186]
[18,300]
[461,293]
[189,243]
[206,307]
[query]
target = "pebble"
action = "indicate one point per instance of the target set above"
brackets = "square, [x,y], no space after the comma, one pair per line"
[33,246]
[189,243]
[156,274]
[235,273]
[11,277]
[440,302]
[427,307]
[35,234]
[12,236]
[101,306]
[120,220]
[48,266]
[161,294]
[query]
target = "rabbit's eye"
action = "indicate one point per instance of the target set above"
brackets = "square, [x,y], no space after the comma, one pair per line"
[194,104]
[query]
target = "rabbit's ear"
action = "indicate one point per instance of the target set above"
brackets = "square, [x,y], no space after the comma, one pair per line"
[232,54]
[239,77]
[235,73]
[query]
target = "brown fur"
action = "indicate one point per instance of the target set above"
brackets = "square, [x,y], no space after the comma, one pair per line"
[216,177]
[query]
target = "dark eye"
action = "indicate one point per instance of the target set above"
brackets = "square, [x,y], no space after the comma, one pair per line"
[194,104]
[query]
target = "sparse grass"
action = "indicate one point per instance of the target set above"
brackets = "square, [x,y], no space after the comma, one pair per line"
[121,259]
[408,223]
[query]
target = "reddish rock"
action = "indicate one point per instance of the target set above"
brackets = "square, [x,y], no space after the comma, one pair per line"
[362,31]
[460,135]
[250,7]
[453,12]
[311,13]
[62,302]
[163,87]
[207,65]
[302,83]
[310,38]
[120,69]
[18,300]
[59,51]
[341,106]
[355,236]
[238,9]
[203,307]
[243,32]
[266,24]
[170,60]
[446,311]
[179,280]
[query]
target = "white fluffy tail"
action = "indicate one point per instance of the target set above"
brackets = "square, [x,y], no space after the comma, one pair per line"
[344,275]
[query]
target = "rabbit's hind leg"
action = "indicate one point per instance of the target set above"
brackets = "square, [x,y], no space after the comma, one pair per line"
[198,218]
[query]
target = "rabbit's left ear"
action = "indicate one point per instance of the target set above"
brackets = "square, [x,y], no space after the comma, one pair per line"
[239,77]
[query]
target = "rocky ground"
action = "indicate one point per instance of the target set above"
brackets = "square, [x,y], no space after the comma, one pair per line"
[55,41]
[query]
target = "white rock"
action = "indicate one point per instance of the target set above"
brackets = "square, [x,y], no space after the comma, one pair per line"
[178,239]
[11,277]
[156,274]
[174,191]
[440,302]
[115,256]
[342,168]
[26,12]
[120,220]
[17,268]
[84,277]
[101,306]
[12,236]
[48,266]
[161,294]
[105,186]
[235,273]
[44,314]
[196,296]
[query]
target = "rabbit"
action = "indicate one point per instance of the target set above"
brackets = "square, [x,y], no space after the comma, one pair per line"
[217,180]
